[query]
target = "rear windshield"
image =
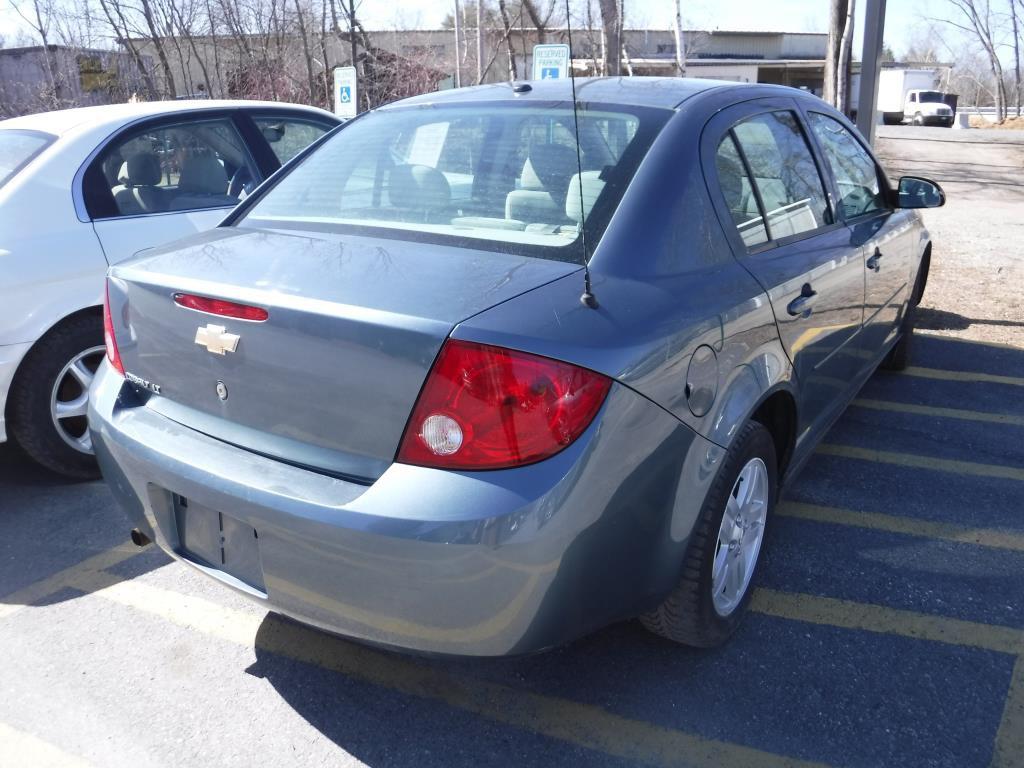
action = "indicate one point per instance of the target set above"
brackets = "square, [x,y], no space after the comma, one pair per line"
[930,97]
[17,148]
[496,176]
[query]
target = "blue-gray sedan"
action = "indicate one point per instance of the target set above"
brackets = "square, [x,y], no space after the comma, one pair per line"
[386,398]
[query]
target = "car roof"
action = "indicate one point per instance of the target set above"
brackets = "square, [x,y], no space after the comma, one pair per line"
[663,92]
[62,121]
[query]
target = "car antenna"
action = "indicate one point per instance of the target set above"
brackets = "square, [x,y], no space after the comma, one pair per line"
[588,299]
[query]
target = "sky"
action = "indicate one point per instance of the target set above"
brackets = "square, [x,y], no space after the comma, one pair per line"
[902,16]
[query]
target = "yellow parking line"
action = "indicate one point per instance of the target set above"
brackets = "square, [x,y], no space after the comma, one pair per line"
[39,590]
[581,724]
[944,413]
[986,378]
[985,537]
[960,340]
[1009,747]
[18,748]
[923,462]
[833,612]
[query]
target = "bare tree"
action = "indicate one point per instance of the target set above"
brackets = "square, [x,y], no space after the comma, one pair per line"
[680,49]
[981,22]
[611,24]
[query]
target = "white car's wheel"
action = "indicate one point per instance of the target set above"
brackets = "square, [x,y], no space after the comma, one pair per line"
[48,401]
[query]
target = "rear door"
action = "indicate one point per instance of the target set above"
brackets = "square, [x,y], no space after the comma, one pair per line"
[166,179]
[884,235]
[770,189]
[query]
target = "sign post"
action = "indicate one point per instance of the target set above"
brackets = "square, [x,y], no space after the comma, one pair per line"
[346,104]
[550,62]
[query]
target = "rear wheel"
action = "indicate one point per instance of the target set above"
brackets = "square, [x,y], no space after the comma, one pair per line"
[48,401]
[712,596]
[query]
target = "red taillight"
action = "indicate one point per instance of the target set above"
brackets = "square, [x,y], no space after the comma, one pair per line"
[486,407]
[221,307]
[108,335]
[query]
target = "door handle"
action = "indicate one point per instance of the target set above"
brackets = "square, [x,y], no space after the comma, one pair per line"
[872,263]
[803,305]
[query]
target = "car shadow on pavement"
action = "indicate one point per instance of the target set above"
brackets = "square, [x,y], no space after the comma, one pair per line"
[929,318]
[49,524]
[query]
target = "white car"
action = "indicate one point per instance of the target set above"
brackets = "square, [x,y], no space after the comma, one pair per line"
[81,189]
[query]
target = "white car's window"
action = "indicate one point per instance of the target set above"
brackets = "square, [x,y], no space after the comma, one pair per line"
[509,174]
[17,148]
[855,172]
[785,174]
[739,194]
[179,167]
[287,137]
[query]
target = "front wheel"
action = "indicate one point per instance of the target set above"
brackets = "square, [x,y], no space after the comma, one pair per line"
[712,596]
[918,119]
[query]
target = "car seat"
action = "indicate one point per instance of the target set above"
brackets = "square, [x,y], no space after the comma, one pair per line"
[203,184]
[543,185]
[138,191]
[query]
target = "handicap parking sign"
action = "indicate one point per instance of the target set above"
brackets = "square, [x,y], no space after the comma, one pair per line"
[549,73]
[345,94]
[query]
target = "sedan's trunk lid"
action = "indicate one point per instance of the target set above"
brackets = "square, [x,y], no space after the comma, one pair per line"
[329,378]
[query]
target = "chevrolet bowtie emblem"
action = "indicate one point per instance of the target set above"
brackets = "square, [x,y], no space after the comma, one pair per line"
[216,339]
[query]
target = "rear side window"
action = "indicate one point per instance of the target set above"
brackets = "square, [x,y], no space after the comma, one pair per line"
[856,174]
[287,136]
[739,195]
[784,173]
[180,167]
[17,148]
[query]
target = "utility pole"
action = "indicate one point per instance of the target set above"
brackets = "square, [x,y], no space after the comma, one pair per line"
[479,42]
[458,57]
[870,64]
[680,49]
[352,41]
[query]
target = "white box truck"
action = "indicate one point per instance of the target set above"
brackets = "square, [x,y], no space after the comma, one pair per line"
[912,94]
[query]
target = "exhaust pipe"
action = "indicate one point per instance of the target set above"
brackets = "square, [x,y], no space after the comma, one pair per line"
[139,539]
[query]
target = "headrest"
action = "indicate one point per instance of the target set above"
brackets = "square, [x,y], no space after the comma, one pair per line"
[140,170]
[548,167]
[203,174]
[592,186]
[418,186]
[730,179]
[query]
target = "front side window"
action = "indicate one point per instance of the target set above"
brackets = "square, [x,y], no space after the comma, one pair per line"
[17,148]
[505,176]
[180,167]
[289,136]
[860,191]
[739,194]
[785,175]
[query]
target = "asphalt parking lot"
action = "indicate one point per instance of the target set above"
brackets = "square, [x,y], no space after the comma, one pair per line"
[887,628]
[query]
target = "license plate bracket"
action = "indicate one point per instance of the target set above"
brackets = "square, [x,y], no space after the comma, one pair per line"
[218,541]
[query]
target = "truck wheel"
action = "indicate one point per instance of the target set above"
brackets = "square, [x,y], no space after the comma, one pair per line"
[712,596]
[918,119]
[49,396]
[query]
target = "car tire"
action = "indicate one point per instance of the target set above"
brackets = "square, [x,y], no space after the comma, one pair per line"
[691,614]
[898,358]
[45,377]
[918,119]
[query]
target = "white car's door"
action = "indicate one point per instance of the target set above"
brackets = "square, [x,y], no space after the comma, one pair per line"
[167,179]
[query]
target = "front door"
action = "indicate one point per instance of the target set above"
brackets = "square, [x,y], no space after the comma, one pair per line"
[787,236]
[885,234]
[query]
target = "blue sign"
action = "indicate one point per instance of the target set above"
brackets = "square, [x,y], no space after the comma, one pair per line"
[549,73]
[345,94]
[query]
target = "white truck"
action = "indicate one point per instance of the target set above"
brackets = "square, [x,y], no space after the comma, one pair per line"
[912,94]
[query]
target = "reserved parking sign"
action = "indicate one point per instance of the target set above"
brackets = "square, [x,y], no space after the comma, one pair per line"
[345,104]
[550,62]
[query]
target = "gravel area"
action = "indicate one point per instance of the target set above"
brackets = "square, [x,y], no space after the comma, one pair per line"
[976,285]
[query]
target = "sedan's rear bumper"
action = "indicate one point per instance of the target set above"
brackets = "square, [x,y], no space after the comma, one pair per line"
[477,563]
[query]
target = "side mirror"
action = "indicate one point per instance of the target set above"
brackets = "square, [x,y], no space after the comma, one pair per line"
[915,192]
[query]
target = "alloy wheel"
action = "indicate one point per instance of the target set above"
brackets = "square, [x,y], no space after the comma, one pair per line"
[739,537]
[70,398]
